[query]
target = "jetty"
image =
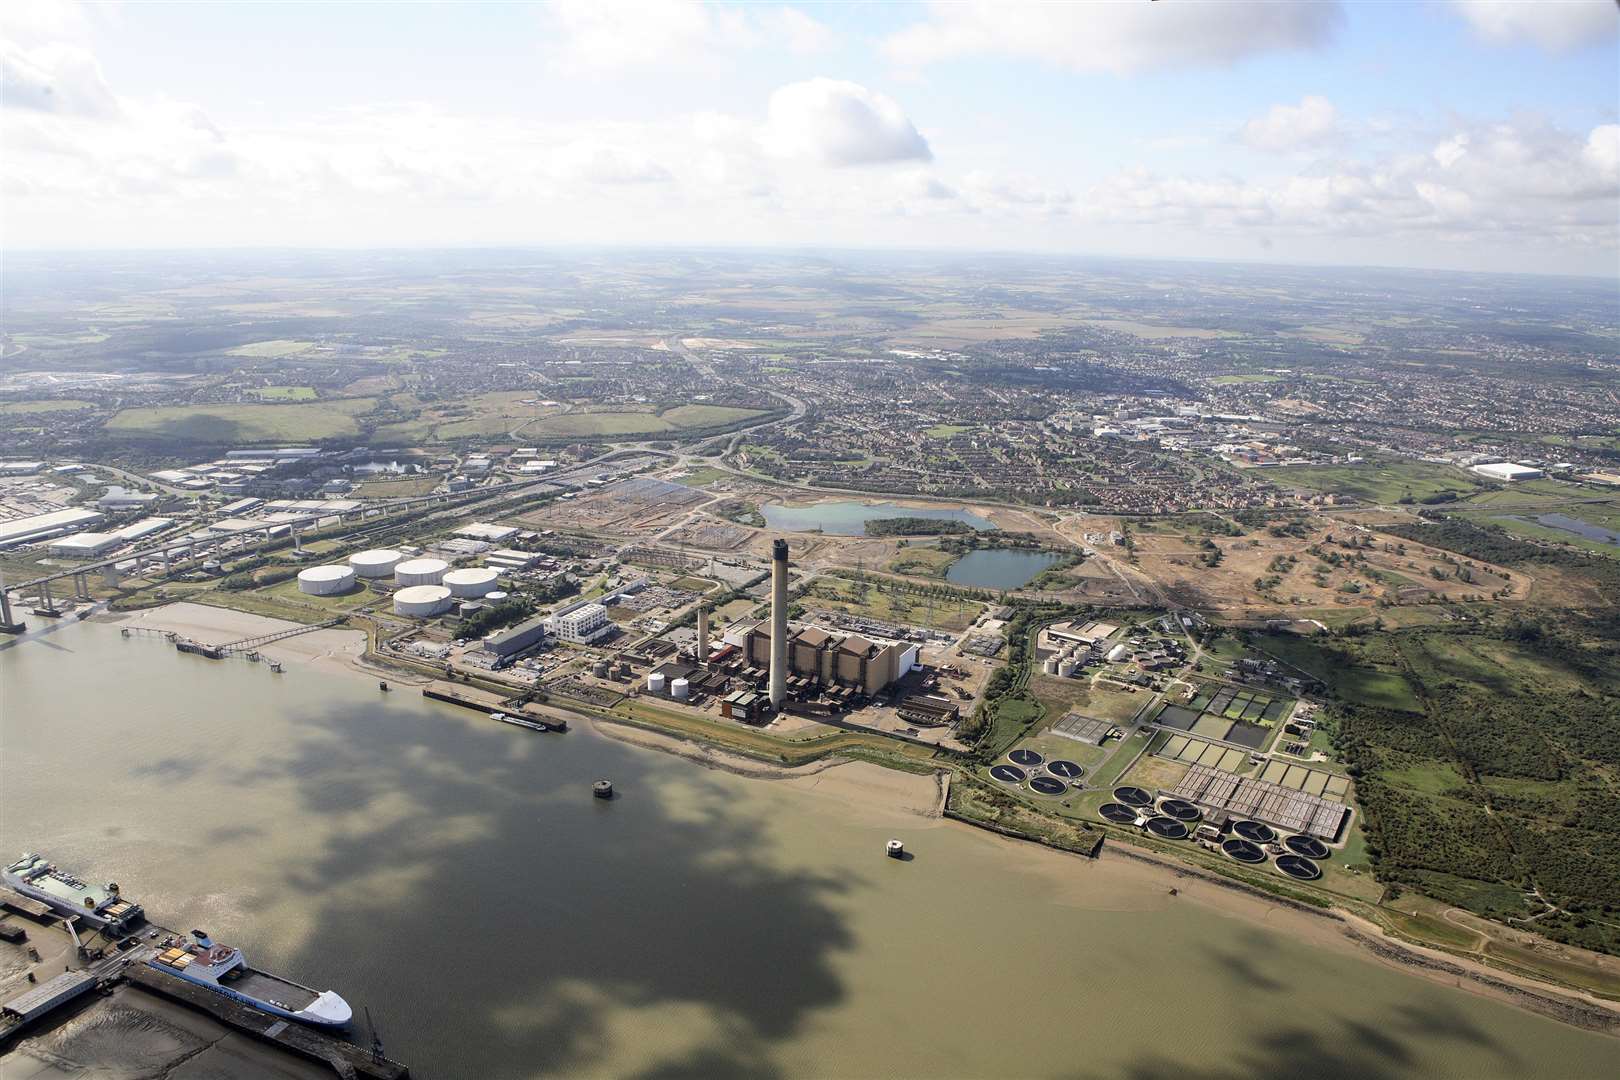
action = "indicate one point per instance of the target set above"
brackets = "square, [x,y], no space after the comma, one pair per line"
[485,701]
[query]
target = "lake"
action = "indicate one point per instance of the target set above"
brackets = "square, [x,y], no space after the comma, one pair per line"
[850,518]
[1565,523]
[456,876]
[999,568]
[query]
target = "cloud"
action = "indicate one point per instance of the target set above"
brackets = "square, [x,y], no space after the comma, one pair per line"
[840,123]
[601,36]
[1554,25]
[600,164]
[1119,38]
[62,79]
[1312,122]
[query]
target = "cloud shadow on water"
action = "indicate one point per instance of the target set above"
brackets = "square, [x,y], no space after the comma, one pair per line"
[503,917]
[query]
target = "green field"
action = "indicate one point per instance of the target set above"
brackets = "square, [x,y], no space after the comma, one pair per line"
[945,431]
[272,349]
[244,423]
[11,408]
[702,477]
[1237,380]
[1378,481]
[680,418]
[288,393]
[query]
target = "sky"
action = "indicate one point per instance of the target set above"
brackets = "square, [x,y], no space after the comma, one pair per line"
[1455,134]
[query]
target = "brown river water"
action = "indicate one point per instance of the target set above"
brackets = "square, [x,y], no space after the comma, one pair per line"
[455,876]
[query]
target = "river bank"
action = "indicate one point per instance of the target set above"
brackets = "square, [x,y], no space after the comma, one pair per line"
[1123,879]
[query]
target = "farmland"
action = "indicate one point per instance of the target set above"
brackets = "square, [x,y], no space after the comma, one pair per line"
[217,424]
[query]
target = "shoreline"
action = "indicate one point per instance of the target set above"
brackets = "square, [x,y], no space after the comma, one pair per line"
[862,782]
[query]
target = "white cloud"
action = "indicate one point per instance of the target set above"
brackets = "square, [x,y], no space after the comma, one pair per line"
[1312,122]
[840,123]
[1555,25]
[603,36]
[1602,151]
[55,78]
[1116,37]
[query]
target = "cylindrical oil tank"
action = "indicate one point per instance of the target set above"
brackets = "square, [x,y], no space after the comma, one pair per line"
[421,571]
[496,596]
[421,601]
[1050,666]
[655,682]
[325,580]
[378,562]
[1066,668]
[679,688]
[600,669]
[471,582]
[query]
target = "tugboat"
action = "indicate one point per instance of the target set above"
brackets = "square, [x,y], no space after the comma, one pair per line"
[224,970]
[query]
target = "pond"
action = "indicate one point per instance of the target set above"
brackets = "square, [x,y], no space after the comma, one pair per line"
[1565,523]
[1000,568]
[850,518]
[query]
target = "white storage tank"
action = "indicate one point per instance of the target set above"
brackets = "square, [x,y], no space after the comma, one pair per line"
[325,580]
[1066,668]
[421,601]
[378,562]
[496,597]
[655,682]
[679,688]
[1118,653]
[471,582]
[421,571]
[1050,666]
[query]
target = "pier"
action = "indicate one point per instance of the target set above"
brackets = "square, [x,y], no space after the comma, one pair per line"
[470,697]
[346,1058]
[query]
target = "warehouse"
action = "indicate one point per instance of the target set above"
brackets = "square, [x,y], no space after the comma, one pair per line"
[1508,472]
[40,526]
[514,639]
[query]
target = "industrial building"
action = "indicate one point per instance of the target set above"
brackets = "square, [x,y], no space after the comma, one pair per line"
[89,545]
[43,526]
[1508,472]
[581,622]
[829,658]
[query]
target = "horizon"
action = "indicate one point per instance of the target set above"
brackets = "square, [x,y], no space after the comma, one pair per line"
[1468,135]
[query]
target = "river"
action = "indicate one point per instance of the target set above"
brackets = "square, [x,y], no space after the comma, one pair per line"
[456,876]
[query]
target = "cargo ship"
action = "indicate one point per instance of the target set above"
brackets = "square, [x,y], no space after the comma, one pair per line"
[99,906]
[224,970]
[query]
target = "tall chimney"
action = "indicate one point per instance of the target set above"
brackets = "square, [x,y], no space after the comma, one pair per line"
[703,632]
[779,623]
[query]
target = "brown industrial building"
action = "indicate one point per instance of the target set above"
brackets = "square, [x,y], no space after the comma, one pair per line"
[830,659]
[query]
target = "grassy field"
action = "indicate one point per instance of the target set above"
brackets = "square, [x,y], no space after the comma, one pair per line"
[1380,684]
[922,561]
[244,423]
[945,431]
[1238,380]
[287,393]
[272,349]
[17,408]
[1378,481]
[891,605]
[702,477]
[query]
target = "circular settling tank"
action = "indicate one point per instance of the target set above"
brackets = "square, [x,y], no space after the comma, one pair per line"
[1066,769]
[1180,810]
[1025,757]
[1118,813]
[1298,867]
[378,562]
[1008,774]
[1132,796]
[325,580]
[1048,785]
[1308,846]
[1166,829]
[1258,832]
[1244,851]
